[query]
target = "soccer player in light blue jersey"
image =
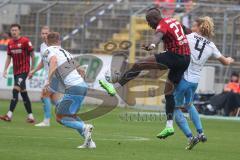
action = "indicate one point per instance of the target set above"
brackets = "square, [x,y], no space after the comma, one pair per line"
[46,96]
[201,49]
[62,65]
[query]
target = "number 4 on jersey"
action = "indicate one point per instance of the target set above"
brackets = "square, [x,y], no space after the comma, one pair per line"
[199,49]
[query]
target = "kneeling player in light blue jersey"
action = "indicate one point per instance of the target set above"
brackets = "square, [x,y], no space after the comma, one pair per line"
[201,49]
[62,66]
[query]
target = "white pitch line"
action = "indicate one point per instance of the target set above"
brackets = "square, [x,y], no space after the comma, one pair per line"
[71,138]
[113,137]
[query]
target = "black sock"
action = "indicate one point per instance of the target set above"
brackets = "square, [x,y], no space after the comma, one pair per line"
[26,102]
[14,100]
[170,104]
[130,74]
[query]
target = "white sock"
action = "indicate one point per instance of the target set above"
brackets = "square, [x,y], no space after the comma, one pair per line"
[190,138]
[9,114]
[30,116]
[199,135]
[117,85]
[169,124]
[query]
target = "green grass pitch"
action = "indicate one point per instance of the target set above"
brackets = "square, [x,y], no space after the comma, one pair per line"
[116,139]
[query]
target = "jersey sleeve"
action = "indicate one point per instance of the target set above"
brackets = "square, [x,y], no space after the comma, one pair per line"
[161,27]
[29,46]
[190,36]
[8,50]
[216,53]
[49,53]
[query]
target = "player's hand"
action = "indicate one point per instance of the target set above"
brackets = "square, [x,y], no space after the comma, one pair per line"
[148,47]
[5,74]
[230,60]
[30,74]
[46,87]
[81,71]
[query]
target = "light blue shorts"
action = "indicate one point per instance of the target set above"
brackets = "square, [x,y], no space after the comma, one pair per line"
[72,100]
[184,93]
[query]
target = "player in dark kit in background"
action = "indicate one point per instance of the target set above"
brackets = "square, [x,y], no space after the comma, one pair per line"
[20,51]
[176,58]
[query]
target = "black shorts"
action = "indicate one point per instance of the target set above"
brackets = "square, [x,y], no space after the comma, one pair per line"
[176,63]
[20,80]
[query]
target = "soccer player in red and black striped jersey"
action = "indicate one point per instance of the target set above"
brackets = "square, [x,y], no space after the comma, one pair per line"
[176,58]
[20,51]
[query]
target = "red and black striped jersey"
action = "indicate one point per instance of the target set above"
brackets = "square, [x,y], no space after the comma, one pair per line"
[20,50]
[174,38]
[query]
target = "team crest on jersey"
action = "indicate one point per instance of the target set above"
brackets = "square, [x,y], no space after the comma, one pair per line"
[46,53]
[19,45]
[30,44]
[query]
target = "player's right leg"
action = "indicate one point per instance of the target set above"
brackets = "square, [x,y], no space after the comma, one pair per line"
[16,90]
[13,104]
[193,113]
[183,125]
[177,64]
[143,64]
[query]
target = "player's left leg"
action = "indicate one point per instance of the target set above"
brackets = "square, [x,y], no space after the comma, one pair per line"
[25,98]
[177,65]
[28,107]
[194,115]
[67,110]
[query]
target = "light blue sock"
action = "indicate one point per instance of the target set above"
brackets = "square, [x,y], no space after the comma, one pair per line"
[195,118]
[182,122]
[46,108]
[73,123]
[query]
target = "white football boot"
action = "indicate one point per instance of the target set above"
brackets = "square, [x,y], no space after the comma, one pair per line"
[88,142]
[42,124]
[91,144]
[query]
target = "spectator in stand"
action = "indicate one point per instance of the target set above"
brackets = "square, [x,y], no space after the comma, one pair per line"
[5,38]
[233,84]
[229,100]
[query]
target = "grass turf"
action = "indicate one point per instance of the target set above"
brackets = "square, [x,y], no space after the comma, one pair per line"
[115,138]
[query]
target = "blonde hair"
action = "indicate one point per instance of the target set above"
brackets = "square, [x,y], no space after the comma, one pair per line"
[45,28]
[206,26]
[53,38]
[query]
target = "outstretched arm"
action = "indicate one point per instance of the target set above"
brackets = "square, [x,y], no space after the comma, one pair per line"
[155,41]
[226,60]
[31,73]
